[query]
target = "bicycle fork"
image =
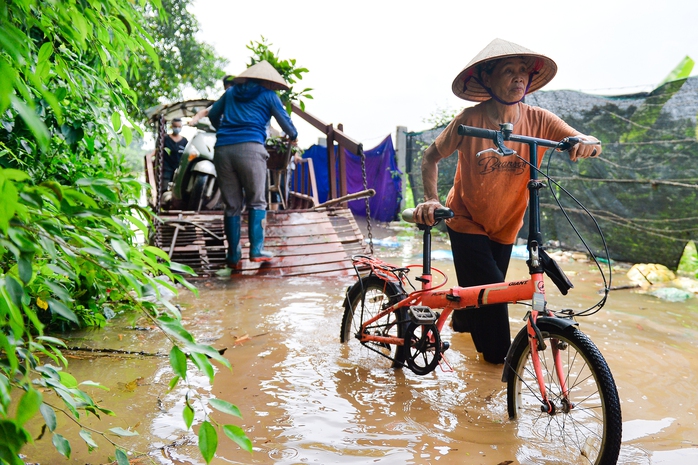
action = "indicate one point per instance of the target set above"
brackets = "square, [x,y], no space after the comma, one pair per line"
[537,343]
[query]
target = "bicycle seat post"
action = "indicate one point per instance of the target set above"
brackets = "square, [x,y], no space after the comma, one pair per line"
[426,253]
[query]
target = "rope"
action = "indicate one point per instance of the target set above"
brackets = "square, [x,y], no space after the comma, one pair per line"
[620,221]
[652,182]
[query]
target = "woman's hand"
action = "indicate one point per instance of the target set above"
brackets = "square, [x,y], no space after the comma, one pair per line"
[424,212]
[584,150]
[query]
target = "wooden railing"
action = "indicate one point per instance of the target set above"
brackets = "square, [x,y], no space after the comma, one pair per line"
[337,180]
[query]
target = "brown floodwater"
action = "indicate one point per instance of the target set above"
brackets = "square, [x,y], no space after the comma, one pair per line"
[305,400]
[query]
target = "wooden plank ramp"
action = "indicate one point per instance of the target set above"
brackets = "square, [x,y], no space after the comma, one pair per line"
[303,242]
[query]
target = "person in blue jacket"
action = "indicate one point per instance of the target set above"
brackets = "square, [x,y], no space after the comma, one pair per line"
[241,117]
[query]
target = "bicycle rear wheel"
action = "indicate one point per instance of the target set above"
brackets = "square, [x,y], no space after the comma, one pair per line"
[587,433]
[366,299]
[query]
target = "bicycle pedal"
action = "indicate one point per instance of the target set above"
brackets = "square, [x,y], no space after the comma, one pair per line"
[421,315]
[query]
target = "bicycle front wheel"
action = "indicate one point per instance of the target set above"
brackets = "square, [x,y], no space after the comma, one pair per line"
[585,426]
[365,300]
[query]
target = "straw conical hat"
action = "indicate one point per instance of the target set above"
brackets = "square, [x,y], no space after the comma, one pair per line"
[467,88]
[263,71]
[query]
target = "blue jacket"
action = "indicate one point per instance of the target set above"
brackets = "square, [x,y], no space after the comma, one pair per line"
[243,113]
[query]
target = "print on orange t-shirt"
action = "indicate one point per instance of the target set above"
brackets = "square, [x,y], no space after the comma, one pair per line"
[489,194]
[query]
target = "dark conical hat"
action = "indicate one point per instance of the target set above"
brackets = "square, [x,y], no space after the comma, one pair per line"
[263,71]
[469,89]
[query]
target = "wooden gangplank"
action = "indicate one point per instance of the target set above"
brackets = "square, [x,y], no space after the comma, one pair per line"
[303,242]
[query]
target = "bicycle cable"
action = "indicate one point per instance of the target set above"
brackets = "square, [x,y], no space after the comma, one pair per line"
[607,283]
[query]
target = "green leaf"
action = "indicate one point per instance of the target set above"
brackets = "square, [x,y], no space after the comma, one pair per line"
[15,291]
[14,175]
[94,384]
[29,404]
[49,416]
[60,309]
[4,394]
[123,432]
[8,75]
[43,65]
[157,252]
[13,439]
[682,71]
[203,364]
[225,407]
[68,380]
[173,383]
[51,340]
[121,248]
[24,266]
[60,291]
[178,360]
[208,441]
[238,435]
[180,268]
[174,328]
[138,223]
[128,135]
[121,457]
[61,444]
[8,206]
[87,437]
[188,415]
[116,120]
[35,125]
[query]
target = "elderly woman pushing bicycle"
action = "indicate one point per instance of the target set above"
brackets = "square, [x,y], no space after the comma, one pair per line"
[489,193]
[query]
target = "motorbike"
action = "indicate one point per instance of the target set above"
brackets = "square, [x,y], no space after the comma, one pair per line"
[194,186]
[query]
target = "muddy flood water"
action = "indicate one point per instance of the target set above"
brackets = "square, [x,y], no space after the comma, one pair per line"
[304,401]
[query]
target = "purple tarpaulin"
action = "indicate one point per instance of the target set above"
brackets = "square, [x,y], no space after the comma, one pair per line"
[381,174]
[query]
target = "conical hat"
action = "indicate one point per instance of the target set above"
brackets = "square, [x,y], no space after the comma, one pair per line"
[467,88]
[263,71]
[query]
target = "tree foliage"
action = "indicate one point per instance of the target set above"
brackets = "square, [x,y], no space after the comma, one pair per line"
[184,60]
[69,219]
[287,68]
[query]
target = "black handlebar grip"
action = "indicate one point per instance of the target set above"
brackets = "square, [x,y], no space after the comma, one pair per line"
[477,132]
[439,214]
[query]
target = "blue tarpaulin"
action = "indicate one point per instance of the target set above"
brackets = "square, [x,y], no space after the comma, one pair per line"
[381,174]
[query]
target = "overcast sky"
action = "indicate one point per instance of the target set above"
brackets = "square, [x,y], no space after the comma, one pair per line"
[374,65]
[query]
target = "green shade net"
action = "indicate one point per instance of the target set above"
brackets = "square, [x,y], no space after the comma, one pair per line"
[643,189]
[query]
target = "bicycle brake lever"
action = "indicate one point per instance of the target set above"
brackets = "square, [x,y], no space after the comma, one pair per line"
[497,151]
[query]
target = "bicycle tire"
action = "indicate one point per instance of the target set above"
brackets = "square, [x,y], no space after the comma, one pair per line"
[376,295]
[590,432]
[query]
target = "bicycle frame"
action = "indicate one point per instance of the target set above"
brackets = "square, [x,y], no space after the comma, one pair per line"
[454,298]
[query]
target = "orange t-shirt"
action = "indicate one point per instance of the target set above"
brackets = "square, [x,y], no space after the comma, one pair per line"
[489,194]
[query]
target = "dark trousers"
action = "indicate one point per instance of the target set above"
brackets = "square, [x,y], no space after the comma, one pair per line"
[478,260]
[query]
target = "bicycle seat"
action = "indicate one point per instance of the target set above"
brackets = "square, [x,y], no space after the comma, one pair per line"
[439,214]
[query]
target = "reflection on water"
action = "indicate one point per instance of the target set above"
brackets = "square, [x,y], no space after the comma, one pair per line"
[304,400]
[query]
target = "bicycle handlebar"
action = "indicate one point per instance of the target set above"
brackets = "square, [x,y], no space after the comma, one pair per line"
[439,214]
[477,132]
[505,134]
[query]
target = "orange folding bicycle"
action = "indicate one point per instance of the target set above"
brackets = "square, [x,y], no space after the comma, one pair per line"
[560,390]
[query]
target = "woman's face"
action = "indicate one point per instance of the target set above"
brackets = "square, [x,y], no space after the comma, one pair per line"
[509,79]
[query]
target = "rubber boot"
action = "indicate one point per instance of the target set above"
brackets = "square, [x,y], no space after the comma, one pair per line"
[256,233]
[231,226]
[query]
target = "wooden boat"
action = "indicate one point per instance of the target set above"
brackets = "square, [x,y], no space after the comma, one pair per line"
[305,237]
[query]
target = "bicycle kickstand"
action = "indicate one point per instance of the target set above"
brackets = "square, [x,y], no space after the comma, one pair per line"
[444,365]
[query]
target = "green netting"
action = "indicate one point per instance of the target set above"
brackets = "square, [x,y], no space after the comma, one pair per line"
[643,190]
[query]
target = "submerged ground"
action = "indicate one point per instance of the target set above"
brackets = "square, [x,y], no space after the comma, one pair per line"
[304,401]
